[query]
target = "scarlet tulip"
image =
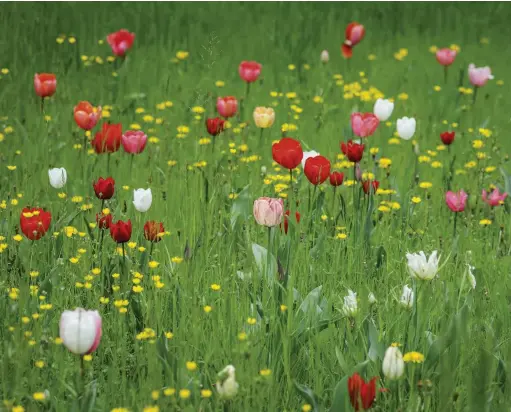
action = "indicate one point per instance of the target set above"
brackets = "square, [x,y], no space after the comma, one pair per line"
[215,126]
[447,137]
[45,84]
[287,152]
[103,221]
[108,140]
[354,34]
[353,151]
[134,141]
[153,231]
[445,56]
[34,222]
[120,231]
[317,169]
[336,178]
[104,188]
[120,42]
[368,184]
[227,106]
[362,394]
[364,124]
[86,116]
[286,220]
[456,201]
[249,71]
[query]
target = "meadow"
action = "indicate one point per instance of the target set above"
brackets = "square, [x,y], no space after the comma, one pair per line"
[255,275]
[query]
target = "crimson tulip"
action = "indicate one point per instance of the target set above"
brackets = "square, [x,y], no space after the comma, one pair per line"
[104,221]
[104,188]
[108,140]
[120,42]
[368,184]
[354,34]
[120,231]
[287,152]
[153,231]
[447,137]
[34,222]
[362,394]
[317,169]
[215,126]
[336,178]
[353,151]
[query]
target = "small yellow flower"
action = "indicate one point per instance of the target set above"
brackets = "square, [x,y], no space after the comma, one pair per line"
[425,185]
[176,259]
[215,287]
[207,308]
[306,408]
[153,264]
[242,336]
[341,236]
[283,308]
[39,396]
[155,395]
[416,199]
[169,335]
[87,358]
[291,66]
[169,391]
[191,366]
[219,83]
[433,49]
[437,88]
[485,222]
[251,321]
[182,55]
[206,393]
[415,357]
[184,393]
[402,96]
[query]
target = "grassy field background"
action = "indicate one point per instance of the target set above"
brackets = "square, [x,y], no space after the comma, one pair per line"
[290,358]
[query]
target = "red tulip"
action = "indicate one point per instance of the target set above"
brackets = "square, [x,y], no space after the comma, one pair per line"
[447,137]
[367,184]
[227,106]
[34,222]
[287,152]
[362,394]
[445,56]
[45,84]
[120,231]
[336,178]
[364,124]
[104,188]
[317,169]
[286,222]
[353,151]
[249,71]
[103,221]
[215,126]
[120,42]
[354,34]
[153,231]
[108,140]
[86,116]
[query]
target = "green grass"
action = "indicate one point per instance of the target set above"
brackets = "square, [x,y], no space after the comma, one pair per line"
[463,333]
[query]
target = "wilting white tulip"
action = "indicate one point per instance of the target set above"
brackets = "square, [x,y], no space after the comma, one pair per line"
[80,330]
[58,177]
[350,306]
[421,267]
[383,109]
[226,385]
[393,365]
[407,297]
[142,199]
[306,155]
[471,277]
[371,298]
[406,127]
[325,57]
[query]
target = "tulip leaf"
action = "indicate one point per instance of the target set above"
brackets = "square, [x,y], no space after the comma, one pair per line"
[265,265]
[318,247]
[376,348]
[240,208]
[307,394]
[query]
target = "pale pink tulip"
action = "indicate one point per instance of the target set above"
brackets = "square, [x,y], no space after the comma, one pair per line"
[268,211]
[479,75]
[364,124]
[456,201]
[134,141]
[495,198]
[445,56]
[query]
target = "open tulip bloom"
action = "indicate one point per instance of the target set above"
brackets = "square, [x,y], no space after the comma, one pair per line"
[421,267]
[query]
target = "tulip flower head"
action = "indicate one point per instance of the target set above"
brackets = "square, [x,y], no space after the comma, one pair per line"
[456,201]
[264,117]
[215,126]
[249,71]
[446,56]
[393,365]
[120,231]
[495,198]
[370,186]
[268,211]
[354,34]
[350,305]
[286,220]
[406,127]
[479,75]
[108,140]
[421,267]
[104,188]
[287,152]
[364,124]
[407,297]
[153,231]
[353,151]
[317,169]
[226,385]
[336,178]
[80,330]
[58,177]
[45,84]
[104,220]
[362,394]
[227,106]
[86,116]
[307,155]
[447,137]
[34,222]
[142,199]
[324,57]
[120,42]
[134,141]
[383,109]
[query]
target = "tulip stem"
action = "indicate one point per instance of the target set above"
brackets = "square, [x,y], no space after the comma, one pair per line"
[454,228]
[291,186]
[445,74]
[261,137]
[475,95]
[108,164]
[268,253]
[42,105]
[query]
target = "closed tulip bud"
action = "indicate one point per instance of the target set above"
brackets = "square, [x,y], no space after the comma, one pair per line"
[80,330]
[350,306]
[445,56]
[86,116]
[227,106]
[249,71]
[226,385]
[371,298]
[134,141]
[104,188]
[264,117]
[142,199]
[393,365]
[407,297]
[121,231]
[406,127]
[268,211]
[383,109]
[325,56]
[120,42]
[58,177]
[263,170]
[45,84]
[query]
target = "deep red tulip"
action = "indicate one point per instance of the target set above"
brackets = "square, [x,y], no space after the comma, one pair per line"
[108,140]
[34,222]
[45,84]
[354,34]
[353,151]
[286,220]
[249,71]
[120,42]
[447,137]
[103,221]
[120,231]
[362,394]
[317,169]
[336,178]
[215,126]
[86,116]
[153,231]
[104,188]
[368,184]
[287,152]
[227,106]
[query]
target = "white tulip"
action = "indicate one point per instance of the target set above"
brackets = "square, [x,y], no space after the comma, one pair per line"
[306,155]
[325,57]
[142,199]
[421,267]
[383,109]
[393,365]
[371,298]
[350,306]
[80,330]
[58,177]
[471,276]
[406,127]
[407,297]
[226,385]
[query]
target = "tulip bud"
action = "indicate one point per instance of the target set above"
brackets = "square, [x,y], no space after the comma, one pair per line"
[58,177]
[142,199]
[268,212]
[350,306]
[406,127]
[407,297]
[393,365]
[371,298]
[325,57]
[226,385]
[80,330]
[263,170]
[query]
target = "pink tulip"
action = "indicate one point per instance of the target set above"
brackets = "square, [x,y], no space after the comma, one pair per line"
[249,71]
[445,56]
[227,106]
[364,124]
[134,141]
[456,201]
[80,330]
[268,211]
[479,75]
[495,198]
